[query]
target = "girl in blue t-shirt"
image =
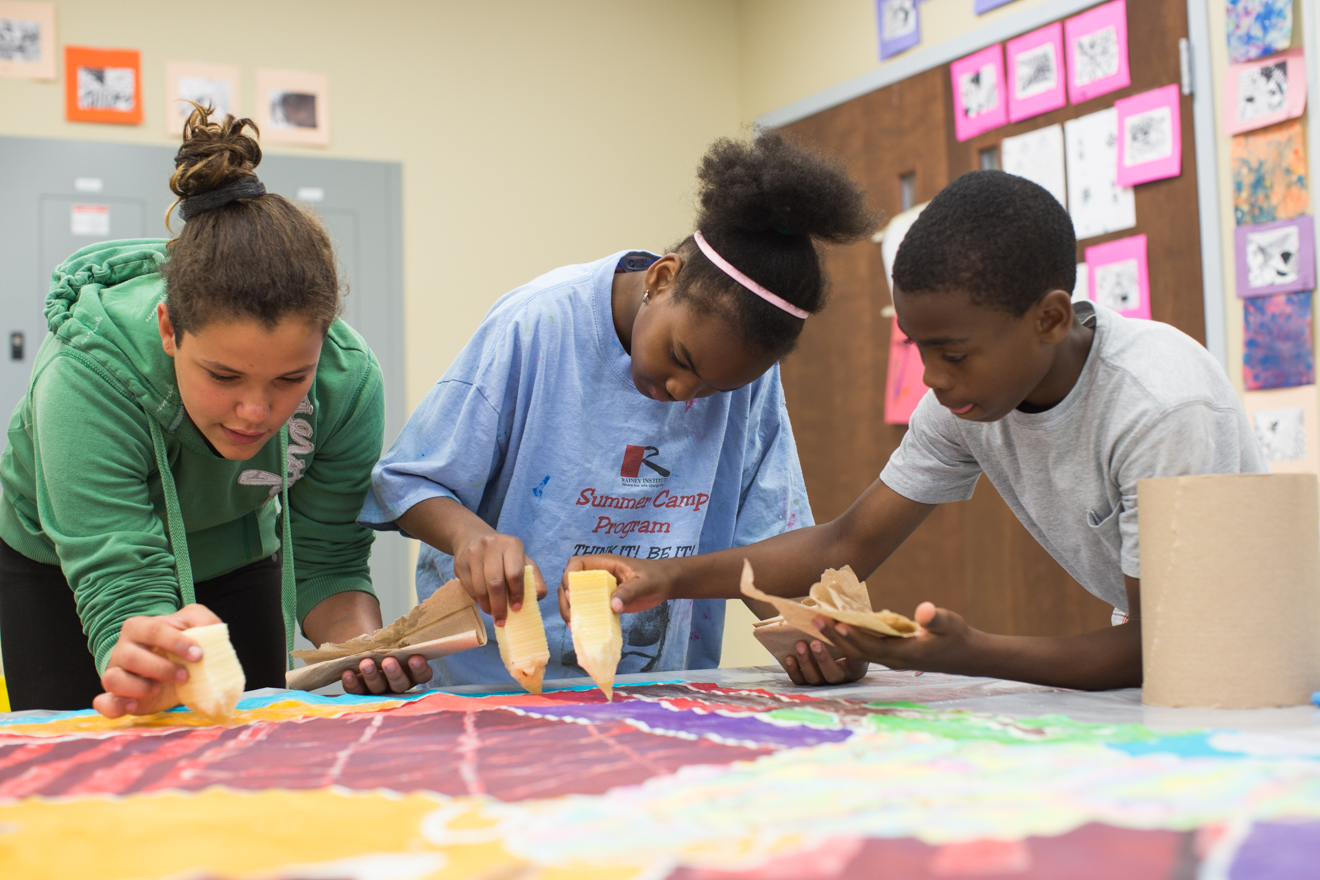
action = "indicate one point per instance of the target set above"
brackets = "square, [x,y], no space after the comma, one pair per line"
[631,405]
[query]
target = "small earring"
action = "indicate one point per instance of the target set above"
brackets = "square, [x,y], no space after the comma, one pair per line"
[646,298]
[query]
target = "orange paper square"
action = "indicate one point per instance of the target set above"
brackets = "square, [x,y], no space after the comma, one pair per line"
[103,92]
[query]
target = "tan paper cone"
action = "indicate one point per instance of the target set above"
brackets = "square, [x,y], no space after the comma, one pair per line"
[1230,590]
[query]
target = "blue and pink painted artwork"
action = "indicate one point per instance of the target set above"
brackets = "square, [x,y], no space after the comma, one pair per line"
[1257,27]
[1277,347]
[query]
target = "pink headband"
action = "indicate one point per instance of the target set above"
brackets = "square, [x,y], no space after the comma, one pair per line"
[728,269]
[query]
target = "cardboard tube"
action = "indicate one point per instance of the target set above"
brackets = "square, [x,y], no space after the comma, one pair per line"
[1230,590]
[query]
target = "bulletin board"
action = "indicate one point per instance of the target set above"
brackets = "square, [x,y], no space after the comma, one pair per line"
[972,557]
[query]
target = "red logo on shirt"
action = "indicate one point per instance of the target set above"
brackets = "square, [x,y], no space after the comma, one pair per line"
[636,456]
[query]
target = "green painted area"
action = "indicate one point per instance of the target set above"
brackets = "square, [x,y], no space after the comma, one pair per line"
[960,725]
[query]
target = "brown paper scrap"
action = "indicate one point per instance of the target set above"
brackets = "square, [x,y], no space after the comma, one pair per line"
[839,596]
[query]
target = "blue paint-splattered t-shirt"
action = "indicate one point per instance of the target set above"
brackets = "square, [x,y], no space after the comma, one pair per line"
[538,428]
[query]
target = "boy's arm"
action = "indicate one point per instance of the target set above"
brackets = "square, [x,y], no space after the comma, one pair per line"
[1098,660]
[785,565]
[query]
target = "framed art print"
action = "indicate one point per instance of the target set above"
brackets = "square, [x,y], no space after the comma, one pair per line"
[1276,257]
[1149,136]
[293,107]
[1096,46]
[979,102]
[1261,93]
[27,40]
[900,26]
[1118,276]
[102,85]
[209,85]
[1036,81]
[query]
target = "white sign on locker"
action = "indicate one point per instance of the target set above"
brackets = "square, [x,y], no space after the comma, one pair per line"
[91,220]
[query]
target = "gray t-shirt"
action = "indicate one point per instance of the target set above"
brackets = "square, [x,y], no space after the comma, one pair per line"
[1150,402]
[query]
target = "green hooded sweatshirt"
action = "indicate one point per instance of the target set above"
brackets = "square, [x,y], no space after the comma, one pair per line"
[81,476]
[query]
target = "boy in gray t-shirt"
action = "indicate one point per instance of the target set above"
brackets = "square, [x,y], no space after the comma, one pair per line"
[1064,408]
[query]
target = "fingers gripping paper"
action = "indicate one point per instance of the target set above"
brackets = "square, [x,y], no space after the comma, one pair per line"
[1216,548]
[216,681]
[839,596]
[523,647]
[446,623]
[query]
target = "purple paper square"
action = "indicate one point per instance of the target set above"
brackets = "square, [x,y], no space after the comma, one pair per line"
[983,6]
[900,26]
[1276,257]
[1277,348]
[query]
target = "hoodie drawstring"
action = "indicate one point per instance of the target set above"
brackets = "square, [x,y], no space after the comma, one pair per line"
[179,538]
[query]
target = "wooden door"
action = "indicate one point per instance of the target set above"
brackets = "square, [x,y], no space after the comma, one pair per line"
[973,557]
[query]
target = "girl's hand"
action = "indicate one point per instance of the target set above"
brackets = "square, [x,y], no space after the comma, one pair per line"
[813,665]
[490,567]
[643,583]
[139,679]
[943,644]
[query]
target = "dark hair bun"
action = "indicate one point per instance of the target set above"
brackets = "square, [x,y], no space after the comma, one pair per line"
[213,153]
[771,184]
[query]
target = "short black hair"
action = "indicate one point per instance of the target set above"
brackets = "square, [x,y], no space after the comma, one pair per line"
[998,237]
[765,205]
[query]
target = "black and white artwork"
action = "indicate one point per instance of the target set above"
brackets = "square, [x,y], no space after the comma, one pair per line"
[107,88]
[1272,257]
[1148,136]
[979,90]
[218,94]
[292,110]
[20,40]
[1036,71]
[1262,91]
[898,18]
[1281,432]
[1117,286]
[1095,56]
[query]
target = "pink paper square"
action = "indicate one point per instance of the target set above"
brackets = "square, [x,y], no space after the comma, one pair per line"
[1097,47]
[1036,79]
[904,387]
[1265,91]
[1149,136]
[1117,276]
[979,102]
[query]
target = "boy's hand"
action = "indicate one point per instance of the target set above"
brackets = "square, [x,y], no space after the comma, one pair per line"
[813,665]
[389,676]
[942,644]
[643,583]
[139,679]
[490,567]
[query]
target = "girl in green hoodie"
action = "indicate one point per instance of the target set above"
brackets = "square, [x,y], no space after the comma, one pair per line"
[189,394]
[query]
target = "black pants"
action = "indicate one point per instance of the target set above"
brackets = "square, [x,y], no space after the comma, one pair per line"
[49,666]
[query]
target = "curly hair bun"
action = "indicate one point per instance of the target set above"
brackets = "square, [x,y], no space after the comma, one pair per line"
[213,153]
[770,185]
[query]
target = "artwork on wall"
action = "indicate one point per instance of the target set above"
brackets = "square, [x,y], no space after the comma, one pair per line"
[1097,51]
[1037,156]
[979,102]
[1082,286]
[1261,93]
[1097,203]
[1119,278]
[980,7]
[1277,349]
[102,85]
[27,40]
[1276,257]
[1285,421]
[1257,27]
[1269,174]
[904,387]
[1035,73]
[293,107]
[900,26]
[210,85]
[1149,136]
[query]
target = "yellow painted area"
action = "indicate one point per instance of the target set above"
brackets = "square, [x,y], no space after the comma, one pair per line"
[4,696]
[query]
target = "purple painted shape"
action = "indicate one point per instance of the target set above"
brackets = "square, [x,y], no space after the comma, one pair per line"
[656,718]
[1277,349]
[1275,850]
[981,7]
[900,26]
[1279,261]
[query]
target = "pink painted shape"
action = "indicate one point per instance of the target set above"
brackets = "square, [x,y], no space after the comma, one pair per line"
[980,857]
[1045,101]
[1110,253]
[1080,27]
[903,386]
[1162,103]
[1294,102]
[987,63]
